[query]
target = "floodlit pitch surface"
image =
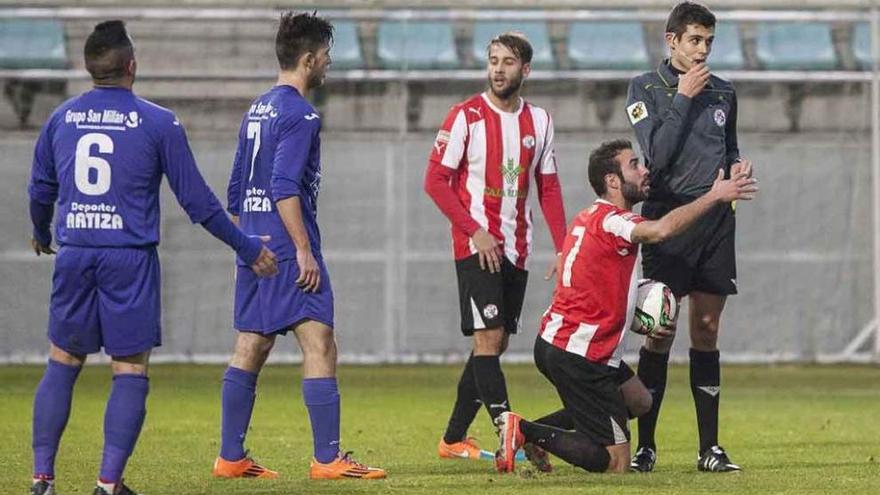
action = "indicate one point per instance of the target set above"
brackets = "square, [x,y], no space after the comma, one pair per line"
[794,429]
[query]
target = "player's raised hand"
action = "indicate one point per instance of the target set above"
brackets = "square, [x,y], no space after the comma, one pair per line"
[309,272]
[265,265]
[694,80]
[738,187]
[488,250]
[40,249]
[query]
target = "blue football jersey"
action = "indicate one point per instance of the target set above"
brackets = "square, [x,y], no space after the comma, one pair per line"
[101,156]
[278,157]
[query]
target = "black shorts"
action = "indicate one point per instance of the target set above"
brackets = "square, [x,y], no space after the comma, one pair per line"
[589,391]
[703,258]
[490,300]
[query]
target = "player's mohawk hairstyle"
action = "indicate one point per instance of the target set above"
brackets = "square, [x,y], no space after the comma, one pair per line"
[687,13]
[108,50]
[299,34]
[603,161]
[516,42]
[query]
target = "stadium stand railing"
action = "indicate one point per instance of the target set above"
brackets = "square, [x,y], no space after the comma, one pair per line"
[420,46]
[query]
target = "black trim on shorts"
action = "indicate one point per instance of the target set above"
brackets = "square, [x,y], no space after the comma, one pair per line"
[492,299]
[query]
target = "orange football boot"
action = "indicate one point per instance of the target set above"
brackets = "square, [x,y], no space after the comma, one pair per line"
[343,467]
[244,468]
[465,449]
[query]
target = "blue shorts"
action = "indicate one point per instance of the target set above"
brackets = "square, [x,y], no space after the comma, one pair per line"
[105,297]
[273,305]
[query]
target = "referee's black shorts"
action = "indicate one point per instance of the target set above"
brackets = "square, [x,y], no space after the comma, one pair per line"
[702,259]
[590,393]
[490,300]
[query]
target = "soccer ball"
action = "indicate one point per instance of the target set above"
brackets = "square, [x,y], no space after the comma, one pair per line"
[656,308]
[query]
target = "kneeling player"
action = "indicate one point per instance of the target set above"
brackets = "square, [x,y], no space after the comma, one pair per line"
[274,190]
[578,348]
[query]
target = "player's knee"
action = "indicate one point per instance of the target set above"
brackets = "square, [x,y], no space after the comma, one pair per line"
[323,347]
[599,462]
[704,334]
[253,346]
[707,324]
[59,355]
[640,404]
[490,342]
[130,365]
[505,341]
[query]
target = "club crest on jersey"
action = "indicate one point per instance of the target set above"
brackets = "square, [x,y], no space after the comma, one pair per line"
[490,311]
[511,172]
[132,120]
[637,112]
[528,142]
[720,118]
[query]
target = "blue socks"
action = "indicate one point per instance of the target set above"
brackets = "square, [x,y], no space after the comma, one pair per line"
[51,411]
[322,400]
[239,391]
[123,419]
[321,397]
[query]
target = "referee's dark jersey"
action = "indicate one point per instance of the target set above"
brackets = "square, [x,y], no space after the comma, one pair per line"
[684,140]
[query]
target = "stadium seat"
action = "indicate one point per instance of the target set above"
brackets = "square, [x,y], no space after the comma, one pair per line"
[862,44]
[727,52]
[346,51]
[535,31]
[416,45]
[32,44]
[795,46]
[607,45]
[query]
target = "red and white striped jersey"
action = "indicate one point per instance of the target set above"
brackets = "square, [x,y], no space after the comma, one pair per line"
[495,153]
[595,294]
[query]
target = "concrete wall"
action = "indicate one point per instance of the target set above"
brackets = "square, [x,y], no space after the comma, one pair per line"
[804,252]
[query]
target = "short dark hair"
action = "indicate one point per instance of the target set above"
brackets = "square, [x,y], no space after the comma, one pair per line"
[108,51]
[299,34]
[687,13]
[516,42]
[603,161]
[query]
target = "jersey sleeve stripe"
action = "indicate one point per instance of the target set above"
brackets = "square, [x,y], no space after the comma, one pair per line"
[617,225]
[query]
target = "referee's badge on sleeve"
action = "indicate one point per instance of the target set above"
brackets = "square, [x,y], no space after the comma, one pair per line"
[637,112]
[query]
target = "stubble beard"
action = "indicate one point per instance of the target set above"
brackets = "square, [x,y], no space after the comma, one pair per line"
[509,90]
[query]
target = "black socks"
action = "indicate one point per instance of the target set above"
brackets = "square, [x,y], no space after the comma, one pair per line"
[491,384]
[706,388]
[572,447]
[467,403]
[482,381]
[652,372]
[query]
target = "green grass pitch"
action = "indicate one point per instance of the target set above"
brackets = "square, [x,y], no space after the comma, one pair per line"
[794,429]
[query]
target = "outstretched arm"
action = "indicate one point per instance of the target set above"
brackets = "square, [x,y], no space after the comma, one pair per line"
[740,187]
[202,206]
